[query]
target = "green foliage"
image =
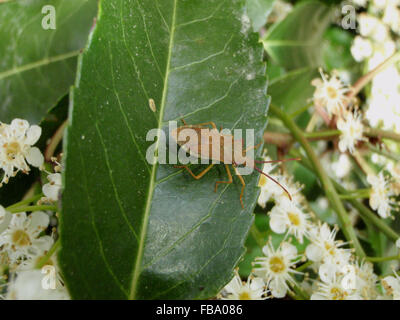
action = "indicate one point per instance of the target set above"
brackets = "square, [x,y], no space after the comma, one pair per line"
[38,65]
[151,231]
[293,90]
[295,42]
[336,49]
[258,11]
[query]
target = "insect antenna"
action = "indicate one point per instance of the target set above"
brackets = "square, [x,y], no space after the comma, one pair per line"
[268,176]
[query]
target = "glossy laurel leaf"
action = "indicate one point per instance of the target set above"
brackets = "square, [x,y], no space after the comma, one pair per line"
[38,65]
[151,231]
[295,42]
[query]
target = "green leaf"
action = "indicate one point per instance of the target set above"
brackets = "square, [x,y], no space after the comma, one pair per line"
[38,66]
[152,231]
[336,49]
[293,90]
[295,42]
[258,11]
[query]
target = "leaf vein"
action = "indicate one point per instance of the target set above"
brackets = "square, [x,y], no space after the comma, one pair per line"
[206,58]
[122,210]
[99,241]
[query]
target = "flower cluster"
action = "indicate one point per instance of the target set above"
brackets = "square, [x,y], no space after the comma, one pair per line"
[332,95]
[24,244]
[252,289]
[340,276]
[378,28]
[339,273]
[16,148]
[25,238]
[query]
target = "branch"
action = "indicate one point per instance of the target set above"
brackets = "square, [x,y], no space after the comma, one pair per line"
[364,211]
[363,81]
[327,185]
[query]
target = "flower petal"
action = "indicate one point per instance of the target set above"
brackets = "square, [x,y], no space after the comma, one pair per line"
[277,224]
[313,252]
[51,191]
[278,288]
[38,221]
[35,157]
[33,135]
[5,219]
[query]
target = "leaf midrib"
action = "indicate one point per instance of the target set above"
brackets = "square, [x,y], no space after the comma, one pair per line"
[137,267]
[38,64]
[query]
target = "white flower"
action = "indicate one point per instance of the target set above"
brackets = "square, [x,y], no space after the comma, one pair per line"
[370,26]
[392,18]
[52,189]
[276,267]
[360,3]
[392,286]
[324,249]
[293,188]
[367,24]
[395,172]
[331,288]
[268,187]
[398,243]
[330,93]
[342,167]
[383,103]
[379,4]
[380,195]
[351,128]
[22,237]
[366,281]
[272,191]
[29,285]
[36,256]
[361,48]
[16,149]
[287,216]
[253,289]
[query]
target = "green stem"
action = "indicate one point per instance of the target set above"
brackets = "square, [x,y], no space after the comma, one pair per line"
[378,133]
[364,211]
[327,185]
[256,234]
[304,266]
[363,81]
[301,110]
[293,295]
[26,201]
[372,217]
[48,255]
[321,134]
[299,291]
[384,153]
[355,195]
[55,140]
[33,208]
[382,259]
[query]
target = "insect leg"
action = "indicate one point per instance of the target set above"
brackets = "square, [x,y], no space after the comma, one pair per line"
[200,175]
[253,147]
[243,186]
[229,176]
[211,123]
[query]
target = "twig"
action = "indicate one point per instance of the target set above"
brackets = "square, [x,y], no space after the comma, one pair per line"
[327,185]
